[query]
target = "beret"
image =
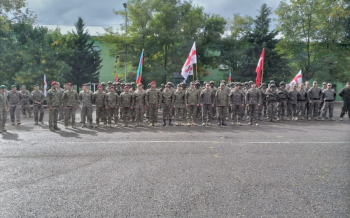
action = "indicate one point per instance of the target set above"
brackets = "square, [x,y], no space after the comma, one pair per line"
[53,83]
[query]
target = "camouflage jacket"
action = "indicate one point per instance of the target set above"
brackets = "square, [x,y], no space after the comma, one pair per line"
[14,98]
[328,95]
[192,96]
[236,97]
[302,95]
[25,96]
[263,94]
[345,94]
[70,99]
[98,99]
[179,99]
[126,100]
[221,98]
[85,98]
[112,100]
[167,98]
[53,98]
[271,95]
[293,96]
[314,93]
[207,97]
[253,96]
[283,94]
[153,96]
[139,98]
[3,101]
[37,96]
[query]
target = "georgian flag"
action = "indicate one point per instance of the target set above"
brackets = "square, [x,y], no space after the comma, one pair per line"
[45,85]
[297,79]
[187,69]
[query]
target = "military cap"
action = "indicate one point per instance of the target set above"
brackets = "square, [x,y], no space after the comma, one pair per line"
[179,85]
[238,84]
[69,84]
[167,85]
[264,84]
[324,83]
[118,83]
[103,83]
[315,82]
[153,82]
[84,85]
[13,86]
[133,83]
[110,82]
[53,83]
[222,84]
[36,85]
[246,83]
[162,85]
[223,81]
[140,85]
[198,83]
[212,82]
[193,83]
[272,81]
[250,82]
[2,87]
[282,83]
[273,85]
[111,87]
[99,86]
[122,84]
[114,84]
[126,86]
[329,84]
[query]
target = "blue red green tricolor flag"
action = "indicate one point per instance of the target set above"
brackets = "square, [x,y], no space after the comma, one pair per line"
[229,77]
[139,71]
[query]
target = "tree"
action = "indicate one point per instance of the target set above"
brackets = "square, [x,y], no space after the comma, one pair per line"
[85,62]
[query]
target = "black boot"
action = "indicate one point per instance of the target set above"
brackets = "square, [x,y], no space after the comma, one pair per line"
[223,123]
[164,123]
[219,122]
[170,124]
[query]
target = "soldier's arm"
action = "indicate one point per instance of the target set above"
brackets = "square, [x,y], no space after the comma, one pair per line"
[260,98]
[341,93]
[146,97]
[132,100]
[198,100]
[48,99]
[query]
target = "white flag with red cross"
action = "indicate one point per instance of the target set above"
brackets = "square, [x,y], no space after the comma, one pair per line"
[297,79]
[45,85]
[187,69]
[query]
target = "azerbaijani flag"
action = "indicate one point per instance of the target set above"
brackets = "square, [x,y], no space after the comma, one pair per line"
[229,77]
[139,71]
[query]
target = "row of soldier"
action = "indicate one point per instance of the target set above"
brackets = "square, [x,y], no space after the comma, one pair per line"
[131,103]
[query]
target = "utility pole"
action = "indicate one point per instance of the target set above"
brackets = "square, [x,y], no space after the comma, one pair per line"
[126,30]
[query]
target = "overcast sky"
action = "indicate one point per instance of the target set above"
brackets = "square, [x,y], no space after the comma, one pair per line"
[99,14]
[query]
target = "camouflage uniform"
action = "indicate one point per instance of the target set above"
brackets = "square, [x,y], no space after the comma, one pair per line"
[61,109]
[14,99]
[85,99]
[328,97]
[167,102]
[345,94]
[207,99]
[38,97]
[282,104]
[126,102]
[153,99]
[272,98]
[293,102]
[70,104]
[192,100]
[4,104]
[263,107]
[302,100]
[140,104]
[314,96]
[112,100]
[98,99]
[237,100]
[53,100]
[221,101]
[179,103]
[253,98]
[25,105]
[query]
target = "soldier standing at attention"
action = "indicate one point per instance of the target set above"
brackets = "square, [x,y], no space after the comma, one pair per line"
[263,107]
[221,101]
[283,102]
[70,103]
[53,99]
[38,100]
[314,96]
[207,99]
[153,99]
[236,98]
[99,99]
[4,107]
[61,110]
[179,104]
[192,102]
[25,105]
[302,100]
[253,100]
[184,88]
[147,108]
[272,99]
[112,104]
[345,94]
[307,105]
[167,100]
[328,97]
[126,104]
[110,83]
[293,102]
[85,99]
[213,89]
[14,97]
[139,104]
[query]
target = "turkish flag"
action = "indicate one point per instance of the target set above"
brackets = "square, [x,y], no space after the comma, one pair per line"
[260,67]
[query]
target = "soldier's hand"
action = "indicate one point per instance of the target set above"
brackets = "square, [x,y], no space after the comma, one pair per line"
[201,105]
[50,108]
[197,105]
[247,105]
[132,107]
[212,105]
[7,108]
[174,106]
[121,108]
[310,102]
[186,105]
[230,105]
[258,105]
[106,107]
[320,101]
[242,105]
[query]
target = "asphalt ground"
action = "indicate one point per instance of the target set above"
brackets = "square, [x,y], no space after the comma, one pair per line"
[279,169]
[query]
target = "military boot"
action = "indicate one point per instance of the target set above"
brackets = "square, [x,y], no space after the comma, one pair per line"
[203,124]
[219,122]
[223,123]
[189,122]
[208,123]
[97,125]
[56,128]
[194,123]
[52,129]
[36,123]
[164,123]
[74,127]
[170,124]
[84,125]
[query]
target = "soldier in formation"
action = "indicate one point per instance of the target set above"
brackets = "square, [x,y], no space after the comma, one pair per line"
[153,100]
[192,102]
[126,104]
[98,98]
[38,107]
[237,104]
[14,98]
[167,101]
[70,103]
[85,101]
[207,99]
[179,104]
[25,104]
[139,105]
[53,100]
[4,108]
[112,100]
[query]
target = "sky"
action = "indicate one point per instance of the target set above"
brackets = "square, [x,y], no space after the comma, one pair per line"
[99,14]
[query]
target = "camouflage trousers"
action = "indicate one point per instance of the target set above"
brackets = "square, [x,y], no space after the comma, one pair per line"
[253,112]
[153,113]
[301,108]
[179,113]
[236,112]
[69,113]
[139,112]
[26,108]
[3,116]
[314,107]
[199,111]
[147,113]
[263,110]
[191,112]
[127,112]
[167,112]
[345,107]
[112,112]
[282,108]
[272,110]
[86,113]
[38,109]
[328,105]
[53,115]
[100,114]
[15,113]
[289,109]
[221,112]
[293,110]
[61,113]
[207,112]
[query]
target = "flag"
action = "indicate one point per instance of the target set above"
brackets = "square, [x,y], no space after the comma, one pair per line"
[116,77]
[260,67]
[297,79]
[139,71]
[229,77]
[187,69]
[45,85]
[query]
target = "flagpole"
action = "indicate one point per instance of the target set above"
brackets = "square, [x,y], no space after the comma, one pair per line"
[196,72]
[262,75]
